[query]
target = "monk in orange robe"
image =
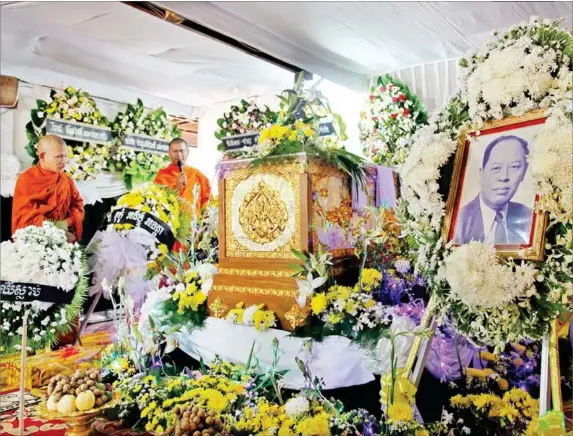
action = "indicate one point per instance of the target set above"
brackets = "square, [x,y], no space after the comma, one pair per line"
[45,193]
[183,181]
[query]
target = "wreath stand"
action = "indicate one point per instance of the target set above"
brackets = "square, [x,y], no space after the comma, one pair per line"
[25,294]
[550,378]
[23,354]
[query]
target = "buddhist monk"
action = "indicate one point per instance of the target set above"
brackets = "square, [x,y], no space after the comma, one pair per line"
[44,193]
[183,181]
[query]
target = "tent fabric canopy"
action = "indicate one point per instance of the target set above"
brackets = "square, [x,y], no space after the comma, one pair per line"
[118,52]
[348,41]
[123,49]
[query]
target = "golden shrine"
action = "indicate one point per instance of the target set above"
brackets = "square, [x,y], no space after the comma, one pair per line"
[265,211]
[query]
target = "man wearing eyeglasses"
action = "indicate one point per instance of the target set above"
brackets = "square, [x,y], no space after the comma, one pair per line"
[45,193]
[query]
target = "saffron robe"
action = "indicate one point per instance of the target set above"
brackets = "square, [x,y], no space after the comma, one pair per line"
[170,175]
[42,195]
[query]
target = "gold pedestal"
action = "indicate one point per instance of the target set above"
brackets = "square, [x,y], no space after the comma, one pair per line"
[266,211]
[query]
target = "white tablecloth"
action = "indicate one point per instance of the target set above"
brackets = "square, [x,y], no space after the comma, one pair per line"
[336,360]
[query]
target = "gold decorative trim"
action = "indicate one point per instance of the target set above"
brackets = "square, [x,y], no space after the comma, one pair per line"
[290,172]
[536,251]
[255,272]
[256,291]
[218,308]
[554,367]
[296,316]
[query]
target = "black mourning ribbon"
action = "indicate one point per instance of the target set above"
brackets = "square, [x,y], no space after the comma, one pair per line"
[150,223]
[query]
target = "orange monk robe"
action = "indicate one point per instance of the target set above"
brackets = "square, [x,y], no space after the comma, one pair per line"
[170,175]
[42,195]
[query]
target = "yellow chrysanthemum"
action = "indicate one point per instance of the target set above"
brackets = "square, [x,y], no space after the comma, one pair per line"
[371,278]
[318,303]
[315,425]
[400,412]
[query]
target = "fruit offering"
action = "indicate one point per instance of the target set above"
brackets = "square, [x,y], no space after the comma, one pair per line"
[194,421]
[82,391]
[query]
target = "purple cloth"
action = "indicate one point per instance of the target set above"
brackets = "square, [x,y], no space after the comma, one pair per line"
[442,360]
[359,195]
[386,195]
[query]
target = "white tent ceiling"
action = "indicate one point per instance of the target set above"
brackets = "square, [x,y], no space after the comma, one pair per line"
[348,41]
[118,52]
[125,53]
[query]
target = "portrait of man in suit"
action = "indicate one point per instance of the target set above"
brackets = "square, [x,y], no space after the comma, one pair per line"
[492,216]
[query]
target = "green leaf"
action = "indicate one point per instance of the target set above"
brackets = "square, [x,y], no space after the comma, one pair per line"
[35,118]
[31,133]
[248,364]
[300,364]
[137,333]
[151,322]
[42,105]
[299,254]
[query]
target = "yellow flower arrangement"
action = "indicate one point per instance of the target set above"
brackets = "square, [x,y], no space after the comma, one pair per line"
[267,418]
[515,405]
[254,315]
[339,302]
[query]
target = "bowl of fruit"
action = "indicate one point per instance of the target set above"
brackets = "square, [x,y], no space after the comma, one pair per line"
[77,400]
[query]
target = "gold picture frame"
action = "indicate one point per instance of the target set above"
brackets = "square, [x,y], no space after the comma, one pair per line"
[534,249]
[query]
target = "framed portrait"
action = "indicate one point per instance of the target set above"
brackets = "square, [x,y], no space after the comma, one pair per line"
[492,194]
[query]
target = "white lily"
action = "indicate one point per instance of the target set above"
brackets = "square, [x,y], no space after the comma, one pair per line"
[306,288]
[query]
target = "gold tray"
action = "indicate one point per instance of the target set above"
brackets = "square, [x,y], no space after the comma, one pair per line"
[79,423]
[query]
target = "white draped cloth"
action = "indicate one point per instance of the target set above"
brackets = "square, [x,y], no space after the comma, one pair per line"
[336,360]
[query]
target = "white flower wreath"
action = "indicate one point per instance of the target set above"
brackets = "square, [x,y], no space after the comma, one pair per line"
[491,302]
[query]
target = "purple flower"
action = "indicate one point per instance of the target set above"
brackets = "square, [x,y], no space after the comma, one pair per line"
[402,266]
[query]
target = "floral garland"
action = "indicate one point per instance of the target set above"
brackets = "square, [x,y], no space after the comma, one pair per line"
[43,256]
[254,315]
[527,68]
[339,310]
[85,160]
[186,290]
[140,166]
[393,116]
[162,203]
[297,129]
[245,118]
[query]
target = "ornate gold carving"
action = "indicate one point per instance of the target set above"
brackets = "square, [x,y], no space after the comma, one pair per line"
[255,272]
[323,192]
[218,308]
[342,214]
[290,172]
[256,291]
[263,215]
[296,316]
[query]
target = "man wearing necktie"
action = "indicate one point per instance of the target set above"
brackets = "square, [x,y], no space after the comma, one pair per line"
[491,216]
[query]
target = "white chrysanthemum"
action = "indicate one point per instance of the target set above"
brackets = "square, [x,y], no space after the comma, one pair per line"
[297,406]
[550,169]
[478,279]
[41,255]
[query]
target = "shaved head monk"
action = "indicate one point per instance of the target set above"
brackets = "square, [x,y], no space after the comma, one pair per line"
[44,193]
[181,177]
